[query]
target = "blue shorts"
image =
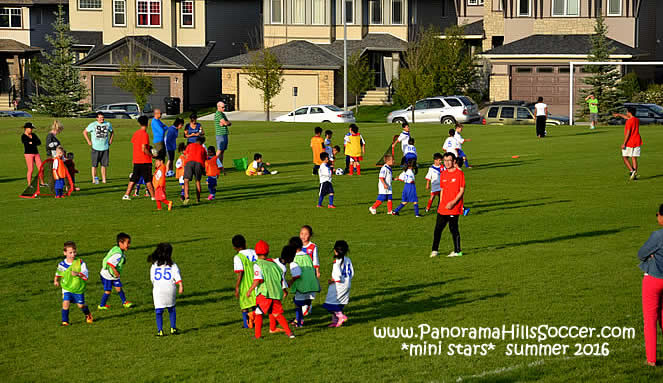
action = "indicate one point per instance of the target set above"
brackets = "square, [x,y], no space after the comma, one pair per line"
[59,184]
[333,308]
[409,157]
[384,197]
[461,153]
[211,181]
[71,297]
[409,194]
[222,142]
[108,284]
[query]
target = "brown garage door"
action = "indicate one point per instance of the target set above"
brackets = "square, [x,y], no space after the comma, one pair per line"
[104,92]
[548,81]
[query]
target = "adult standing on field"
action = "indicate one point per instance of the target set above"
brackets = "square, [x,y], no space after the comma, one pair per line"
[52,141]
[651,262]
[30,149]
[541,110]
[593,105]
[221,124]
[450,208]
[102,138]
[158,132]
[632,141]
[193,129]
[142,159]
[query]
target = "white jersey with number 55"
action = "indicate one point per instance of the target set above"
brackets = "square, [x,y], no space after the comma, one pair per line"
[164,279]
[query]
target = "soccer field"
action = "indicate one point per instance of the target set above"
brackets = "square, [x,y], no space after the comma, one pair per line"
[551,240]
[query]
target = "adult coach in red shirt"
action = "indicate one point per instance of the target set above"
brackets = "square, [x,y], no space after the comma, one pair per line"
[142,158]
[632,141]
[452,181]
[194,168]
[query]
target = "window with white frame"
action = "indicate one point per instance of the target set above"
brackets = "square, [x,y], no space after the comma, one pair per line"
[375,11]
[524,8]
[120,13]
[89,4]
[277,11]
[565,7]
[397,11]
[319,12]
[299,11]
[474,2]
[349,11]
[149,13]
[614,7]
[10,18]
[187,13]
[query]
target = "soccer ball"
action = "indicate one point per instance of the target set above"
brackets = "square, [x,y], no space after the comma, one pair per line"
[339,172]
[155,152]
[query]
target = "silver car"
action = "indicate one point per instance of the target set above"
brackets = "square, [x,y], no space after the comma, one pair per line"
[442,109]
[129,107]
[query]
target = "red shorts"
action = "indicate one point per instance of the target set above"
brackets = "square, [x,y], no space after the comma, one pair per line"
[356,159]
[269,306]
[160,194]
[437,193]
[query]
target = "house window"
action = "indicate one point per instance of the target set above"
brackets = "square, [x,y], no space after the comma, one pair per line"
[149,13]
[524,7]
[523,70]
[375,11]
[474,2]
[544,70]
[119,12]
[89,4]
[349,11]
[614,7]
[319,12]
[277,11]
[10,18]
[565,7]
[299,11]
[397,11]
[187,13]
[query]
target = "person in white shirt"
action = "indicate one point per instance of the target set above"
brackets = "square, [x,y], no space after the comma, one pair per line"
[450,144]
[403,139]
[166,282]
[541,111]
[462,158]
[384,185]
[433,180]
[338,294]
[325,174]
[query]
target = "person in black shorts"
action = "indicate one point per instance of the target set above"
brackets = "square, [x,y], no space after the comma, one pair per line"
[142,159]
[196,156]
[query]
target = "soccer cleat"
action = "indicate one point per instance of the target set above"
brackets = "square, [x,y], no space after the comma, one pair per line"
[181,198]
[452,254]
[186,201]
[319,206]
[105,307]
[88,318]
[372,210]
[427,210]
[634,175]
[418,216]
[64,324]
[136,194]
[341,319]
[170,205]
[466,211]
[160,333]
[273,172]
[174,331]
[394,213]
[210,197]
[278,330]
[296,324]
[459,254]
[96,181]
[127,304]
[126,198]
[154,199]
[390,212]
[291,336]
[331,207]
[307,310]
[433,254]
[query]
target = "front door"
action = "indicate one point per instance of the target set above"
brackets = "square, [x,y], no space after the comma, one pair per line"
[376,63]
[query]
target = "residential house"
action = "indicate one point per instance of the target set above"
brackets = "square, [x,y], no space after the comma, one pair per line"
[172,40]
[24,25]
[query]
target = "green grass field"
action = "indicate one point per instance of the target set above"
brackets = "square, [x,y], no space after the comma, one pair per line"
[551,240]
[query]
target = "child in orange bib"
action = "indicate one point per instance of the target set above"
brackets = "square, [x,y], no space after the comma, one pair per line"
[159,183]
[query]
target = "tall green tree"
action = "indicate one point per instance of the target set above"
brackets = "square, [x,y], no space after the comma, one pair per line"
[265,74]
[60,80]
[133,80]
[360,76]
[604,79]
[454,65]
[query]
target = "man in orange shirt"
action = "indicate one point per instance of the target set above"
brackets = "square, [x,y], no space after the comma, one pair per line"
[317,146]
[142,158]
[196,156]
[632,141]
[452,181]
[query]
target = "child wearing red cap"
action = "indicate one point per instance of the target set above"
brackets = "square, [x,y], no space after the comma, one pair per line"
[270,286]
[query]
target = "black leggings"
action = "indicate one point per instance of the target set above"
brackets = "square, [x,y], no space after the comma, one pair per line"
[541,126]
[441,223]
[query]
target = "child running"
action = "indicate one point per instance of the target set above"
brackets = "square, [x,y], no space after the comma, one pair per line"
[326,188]
[384,186]
[165,276]
[433,180]
[179,168]
[111,270]
[304,283]
[450,144]
[213,167]
[305,234]
[338,293]
[243,263]
[59,172]
[72,276]
[409,191]
[462,158]
[159,182]
[287,256]
[270,287]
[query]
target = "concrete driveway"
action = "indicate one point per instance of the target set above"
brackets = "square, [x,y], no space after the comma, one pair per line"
[244,116]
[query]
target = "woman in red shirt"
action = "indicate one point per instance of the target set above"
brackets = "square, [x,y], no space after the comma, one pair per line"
[452,181]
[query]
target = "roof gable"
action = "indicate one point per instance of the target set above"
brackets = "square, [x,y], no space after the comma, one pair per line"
[572,45]
[296,54]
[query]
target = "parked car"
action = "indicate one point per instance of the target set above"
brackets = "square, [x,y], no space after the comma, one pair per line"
[318,113]
[129,107]
[647,113]
[14,113]
[517,114]
[109,115]
[442,109]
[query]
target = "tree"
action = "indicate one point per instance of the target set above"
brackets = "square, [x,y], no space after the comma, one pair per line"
[60,80]
[604,79]
[454,65]
[133,80]
[360,77]
[266,75]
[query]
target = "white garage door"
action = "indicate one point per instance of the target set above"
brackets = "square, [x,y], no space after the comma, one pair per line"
[307,93]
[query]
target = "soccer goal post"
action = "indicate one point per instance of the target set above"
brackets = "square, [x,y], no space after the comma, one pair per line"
[615,63]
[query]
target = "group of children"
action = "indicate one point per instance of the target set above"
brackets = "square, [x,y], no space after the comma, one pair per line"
[261,282]
[354,147]
[63,169]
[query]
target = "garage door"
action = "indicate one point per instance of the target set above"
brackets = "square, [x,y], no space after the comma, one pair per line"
[104,92]
[549,82]
[307,93]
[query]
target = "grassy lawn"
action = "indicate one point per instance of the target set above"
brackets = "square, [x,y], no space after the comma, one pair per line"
[551,240]
[374,113]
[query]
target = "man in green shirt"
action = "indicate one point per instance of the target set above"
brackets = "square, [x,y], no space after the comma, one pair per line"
[221,124]
[593,104]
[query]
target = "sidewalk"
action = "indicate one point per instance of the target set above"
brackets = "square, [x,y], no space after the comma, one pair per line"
[244,116]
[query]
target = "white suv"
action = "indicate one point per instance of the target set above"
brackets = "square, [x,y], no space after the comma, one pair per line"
[130,107]
[442,109]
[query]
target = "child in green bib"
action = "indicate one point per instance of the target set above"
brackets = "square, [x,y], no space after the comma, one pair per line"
[304,283]
[243,263]
[72,276]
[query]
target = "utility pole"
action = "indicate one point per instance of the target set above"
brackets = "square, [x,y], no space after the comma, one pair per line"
[345,55]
